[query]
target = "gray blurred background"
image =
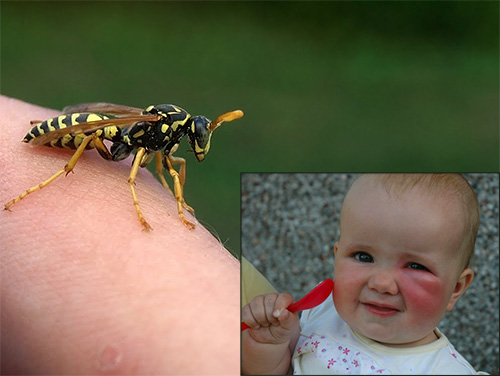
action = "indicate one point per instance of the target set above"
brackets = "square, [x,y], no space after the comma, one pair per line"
[290,224]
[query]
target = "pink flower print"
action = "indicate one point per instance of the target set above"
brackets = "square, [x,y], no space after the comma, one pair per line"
[372,367]
[454,355]
[299,350]
[331,362]
[355,362]
[358,353]
[346,351]
[323,350]
[322,337]
[340,347]
[315,344]
[380,370]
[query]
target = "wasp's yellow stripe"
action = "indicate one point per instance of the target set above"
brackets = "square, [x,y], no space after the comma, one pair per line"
[60,123]
[74,117]
[94,117]
[138,134]
[50,127]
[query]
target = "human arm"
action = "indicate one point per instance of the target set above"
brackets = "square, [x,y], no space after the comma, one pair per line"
[85,289]
[268,345]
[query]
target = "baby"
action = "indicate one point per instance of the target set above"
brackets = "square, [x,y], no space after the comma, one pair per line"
[401,262]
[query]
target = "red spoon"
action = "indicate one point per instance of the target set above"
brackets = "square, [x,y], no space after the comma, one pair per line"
[314,298]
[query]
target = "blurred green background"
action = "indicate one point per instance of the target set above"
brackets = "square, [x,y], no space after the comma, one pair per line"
[325,86]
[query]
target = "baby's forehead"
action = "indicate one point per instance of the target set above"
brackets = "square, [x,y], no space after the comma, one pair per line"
[403,186]
[413,218]
[369,193]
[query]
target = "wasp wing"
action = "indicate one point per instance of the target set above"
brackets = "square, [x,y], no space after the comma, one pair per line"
[103,108]
[92,126]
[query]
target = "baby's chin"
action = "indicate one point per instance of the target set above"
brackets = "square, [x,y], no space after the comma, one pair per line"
[383,334]
[386,338]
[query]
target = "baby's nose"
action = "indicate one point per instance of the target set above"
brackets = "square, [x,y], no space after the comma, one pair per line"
[383,283]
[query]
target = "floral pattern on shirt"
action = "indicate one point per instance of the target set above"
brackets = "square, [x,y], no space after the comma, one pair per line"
[338,359]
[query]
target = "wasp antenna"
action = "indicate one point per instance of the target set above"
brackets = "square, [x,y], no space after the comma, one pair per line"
[228,116]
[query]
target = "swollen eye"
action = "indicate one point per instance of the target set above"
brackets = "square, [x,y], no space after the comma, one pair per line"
[416,266]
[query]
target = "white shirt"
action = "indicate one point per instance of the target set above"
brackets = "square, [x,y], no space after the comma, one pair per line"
[327,345]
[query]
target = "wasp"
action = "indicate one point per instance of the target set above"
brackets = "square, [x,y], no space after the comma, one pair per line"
[155,133]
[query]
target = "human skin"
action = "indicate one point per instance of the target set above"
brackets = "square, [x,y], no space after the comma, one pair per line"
[401,254]
[85,290]
[268,344]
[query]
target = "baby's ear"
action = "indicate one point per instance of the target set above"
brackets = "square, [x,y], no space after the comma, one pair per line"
[462,285]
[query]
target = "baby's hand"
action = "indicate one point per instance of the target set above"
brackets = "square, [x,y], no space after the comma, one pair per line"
[268,318]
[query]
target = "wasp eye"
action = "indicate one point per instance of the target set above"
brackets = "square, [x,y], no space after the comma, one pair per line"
[201,131]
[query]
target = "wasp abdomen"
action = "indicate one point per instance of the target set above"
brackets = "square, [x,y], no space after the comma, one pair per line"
[69,141]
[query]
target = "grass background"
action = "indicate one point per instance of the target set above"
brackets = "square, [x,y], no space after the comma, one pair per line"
[325,86]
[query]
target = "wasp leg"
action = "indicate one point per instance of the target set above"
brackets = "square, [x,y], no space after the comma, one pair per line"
[182,176]
[131,181]
[182,169]
[178,193]
[159,171]
[67,169]
[102,149]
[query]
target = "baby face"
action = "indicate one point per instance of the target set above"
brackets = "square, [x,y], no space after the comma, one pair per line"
[397,263]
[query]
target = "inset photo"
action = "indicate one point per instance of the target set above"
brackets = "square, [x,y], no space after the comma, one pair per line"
[384,273]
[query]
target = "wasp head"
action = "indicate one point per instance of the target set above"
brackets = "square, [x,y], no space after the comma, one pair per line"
[200,131]
[199,136]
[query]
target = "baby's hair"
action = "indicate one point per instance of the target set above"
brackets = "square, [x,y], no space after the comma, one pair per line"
[438,184]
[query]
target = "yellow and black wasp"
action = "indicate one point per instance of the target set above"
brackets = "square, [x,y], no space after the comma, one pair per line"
[154,132]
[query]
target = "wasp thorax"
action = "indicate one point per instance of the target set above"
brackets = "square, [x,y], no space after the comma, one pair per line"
[199,136]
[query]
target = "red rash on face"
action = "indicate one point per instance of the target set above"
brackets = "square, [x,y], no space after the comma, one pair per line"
[422,291]
[419,295]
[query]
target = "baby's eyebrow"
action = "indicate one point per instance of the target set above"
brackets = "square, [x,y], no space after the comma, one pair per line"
[418,256]
[360,246]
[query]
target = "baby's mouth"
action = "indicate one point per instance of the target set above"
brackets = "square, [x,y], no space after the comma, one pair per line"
[379,309]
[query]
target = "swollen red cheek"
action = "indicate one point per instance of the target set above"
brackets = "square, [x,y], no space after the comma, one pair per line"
[423,294]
